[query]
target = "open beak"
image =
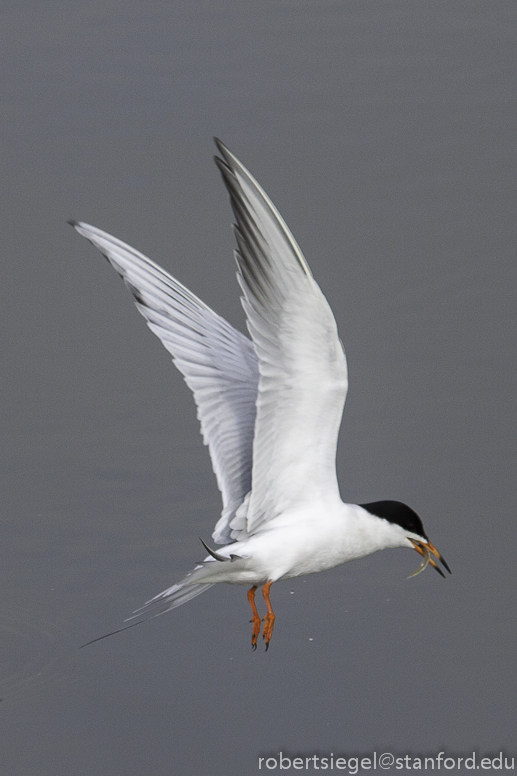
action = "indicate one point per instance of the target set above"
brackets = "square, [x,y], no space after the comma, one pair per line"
[426,549]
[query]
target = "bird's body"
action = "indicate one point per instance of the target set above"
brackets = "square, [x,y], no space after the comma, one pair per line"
[303,541]
[270,409]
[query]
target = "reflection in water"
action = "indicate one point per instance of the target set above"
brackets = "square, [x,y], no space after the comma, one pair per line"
[35,652]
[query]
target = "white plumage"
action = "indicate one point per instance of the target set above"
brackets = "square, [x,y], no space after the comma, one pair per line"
[269,408]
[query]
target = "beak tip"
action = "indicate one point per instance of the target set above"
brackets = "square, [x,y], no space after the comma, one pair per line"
[445,564]
[427,549]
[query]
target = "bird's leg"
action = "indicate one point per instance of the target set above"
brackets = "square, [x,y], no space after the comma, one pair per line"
[255,618]
[269,619]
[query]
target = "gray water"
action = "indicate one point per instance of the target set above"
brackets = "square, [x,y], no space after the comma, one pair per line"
[385,132]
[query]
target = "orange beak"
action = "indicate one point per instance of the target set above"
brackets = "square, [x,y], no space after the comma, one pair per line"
[426,549]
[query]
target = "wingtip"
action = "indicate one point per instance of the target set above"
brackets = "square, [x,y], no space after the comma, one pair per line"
[220,146]
[228,159]
[220,163]
[225,169]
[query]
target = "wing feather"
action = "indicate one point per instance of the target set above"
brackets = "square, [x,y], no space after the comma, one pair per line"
[303,374]
[219,365]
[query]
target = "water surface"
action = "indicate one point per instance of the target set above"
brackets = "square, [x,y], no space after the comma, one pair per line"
[385,133]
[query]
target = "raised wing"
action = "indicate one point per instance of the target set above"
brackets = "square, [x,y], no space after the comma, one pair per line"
[303,374]
[218,362]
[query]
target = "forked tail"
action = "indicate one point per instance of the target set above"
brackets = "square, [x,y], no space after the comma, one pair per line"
[169,599]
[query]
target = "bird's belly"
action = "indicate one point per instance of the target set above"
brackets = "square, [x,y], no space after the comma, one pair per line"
[284,553]
[295,544]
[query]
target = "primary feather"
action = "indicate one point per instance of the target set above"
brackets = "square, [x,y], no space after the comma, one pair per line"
[303,374]
[218,362]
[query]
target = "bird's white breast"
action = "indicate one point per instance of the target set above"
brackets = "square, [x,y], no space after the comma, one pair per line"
[306,541]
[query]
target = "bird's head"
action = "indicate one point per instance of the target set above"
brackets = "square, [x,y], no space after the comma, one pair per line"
[413,532]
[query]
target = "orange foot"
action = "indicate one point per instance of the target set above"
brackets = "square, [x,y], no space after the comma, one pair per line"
[255,617]
[267,630]
[269,619]
[255,631]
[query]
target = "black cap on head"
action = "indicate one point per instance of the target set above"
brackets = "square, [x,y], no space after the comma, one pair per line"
[399,513]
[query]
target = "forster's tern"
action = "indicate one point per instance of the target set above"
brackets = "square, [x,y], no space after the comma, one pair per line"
[270,409]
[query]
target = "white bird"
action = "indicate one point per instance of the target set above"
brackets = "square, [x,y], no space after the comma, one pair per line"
[270,410]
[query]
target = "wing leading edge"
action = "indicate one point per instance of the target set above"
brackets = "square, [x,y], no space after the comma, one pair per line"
[303,373]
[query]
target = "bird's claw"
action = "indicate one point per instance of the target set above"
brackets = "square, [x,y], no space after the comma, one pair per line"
[267,630]
[255,632]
